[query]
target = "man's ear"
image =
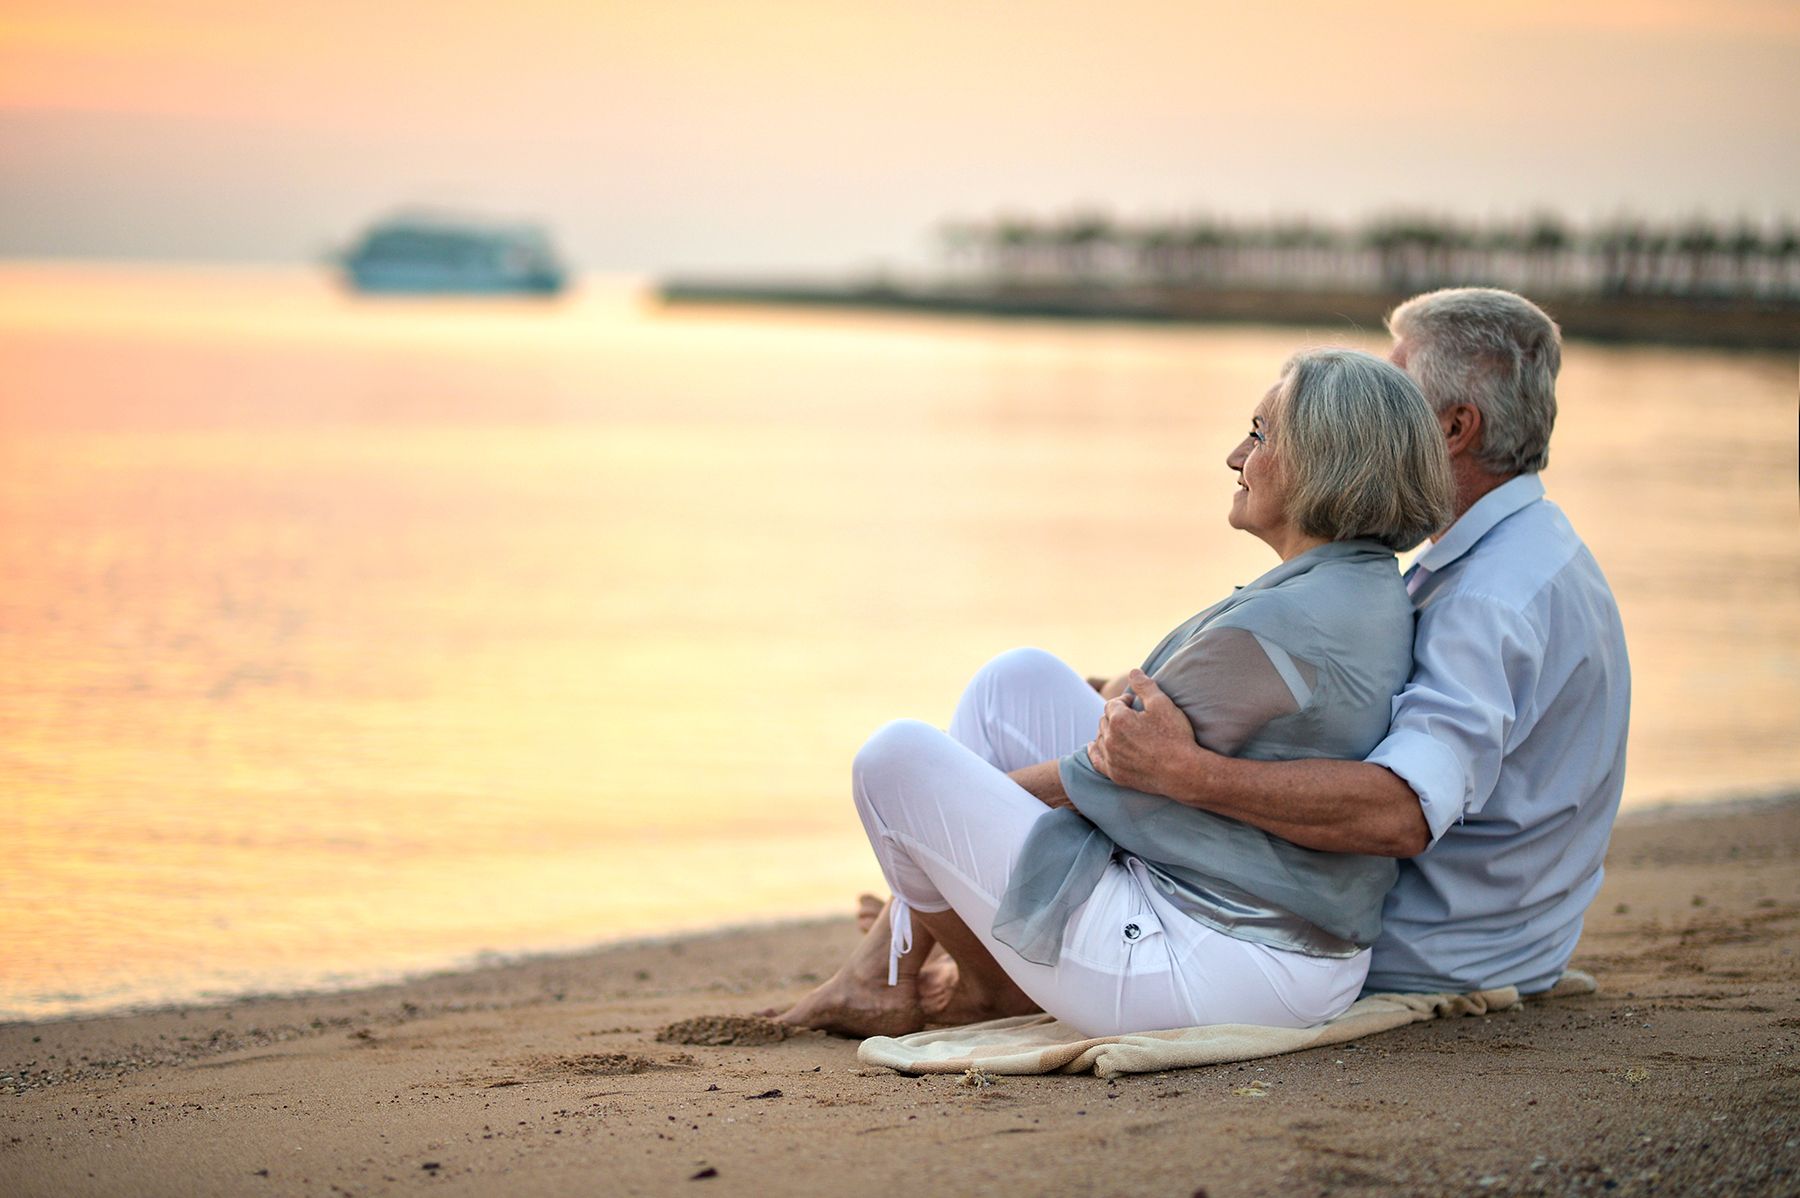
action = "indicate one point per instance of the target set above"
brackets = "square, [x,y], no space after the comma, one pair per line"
[1461,423]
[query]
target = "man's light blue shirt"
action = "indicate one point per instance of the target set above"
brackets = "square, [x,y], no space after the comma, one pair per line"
[1512,733]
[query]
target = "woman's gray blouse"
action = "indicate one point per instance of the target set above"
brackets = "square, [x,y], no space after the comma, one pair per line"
[1303,662]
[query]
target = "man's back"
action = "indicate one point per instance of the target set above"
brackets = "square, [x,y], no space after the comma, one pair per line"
[1512,732]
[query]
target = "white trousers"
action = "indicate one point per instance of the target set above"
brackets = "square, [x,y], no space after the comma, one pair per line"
[947,823]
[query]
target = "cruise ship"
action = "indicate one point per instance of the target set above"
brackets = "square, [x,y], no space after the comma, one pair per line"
[435,254]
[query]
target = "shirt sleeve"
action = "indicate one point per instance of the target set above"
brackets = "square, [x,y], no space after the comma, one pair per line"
[1475,668]
[1229,682]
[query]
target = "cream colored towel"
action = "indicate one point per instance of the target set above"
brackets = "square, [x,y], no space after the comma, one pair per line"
[1041,1044]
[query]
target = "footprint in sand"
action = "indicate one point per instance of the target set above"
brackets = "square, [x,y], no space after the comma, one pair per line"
[587,1064]
[723,1030]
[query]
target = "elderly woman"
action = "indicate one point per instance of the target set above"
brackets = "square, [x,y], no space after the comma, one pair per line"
[1118,911]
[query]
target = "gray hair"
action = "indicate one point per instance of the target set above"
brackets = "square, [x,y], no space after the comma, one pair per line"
[1493,349]
[1361,453]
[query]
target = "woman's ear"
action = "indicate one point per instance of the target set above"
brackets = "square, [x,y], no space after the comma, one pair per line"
[1461,423]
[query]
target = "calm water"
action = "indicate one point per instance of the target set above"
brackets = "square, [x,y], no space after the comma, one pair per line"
[341,639]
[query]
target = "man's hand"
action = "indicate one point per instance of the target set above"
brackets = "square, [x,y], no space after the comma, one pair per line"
[1148,750]
[1333,806]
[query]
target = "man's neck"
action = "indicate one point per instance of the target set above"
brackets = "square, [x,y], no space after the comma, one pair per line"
[1472,483]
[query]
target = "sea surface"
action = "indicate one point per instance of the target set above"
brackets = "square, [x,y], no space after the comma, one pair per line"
[342,639]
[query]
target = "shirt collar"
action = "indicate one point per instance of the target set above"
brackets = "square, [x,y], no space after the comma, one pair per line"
[1330,551]
[1480,519]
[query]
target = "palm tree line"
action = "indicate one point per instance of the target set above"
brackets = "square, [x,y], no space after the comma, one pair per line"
[1695,259]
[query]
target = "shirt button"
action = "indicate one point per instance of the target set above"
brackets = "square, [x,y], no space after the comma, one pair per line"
[1132,931]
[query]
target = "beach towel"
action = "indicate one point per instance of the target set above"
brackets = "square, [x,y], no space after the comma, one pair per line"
[1042,1044]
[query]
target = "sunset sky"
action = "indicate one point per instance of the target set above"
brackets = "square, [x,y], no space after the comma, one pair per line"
[835,133]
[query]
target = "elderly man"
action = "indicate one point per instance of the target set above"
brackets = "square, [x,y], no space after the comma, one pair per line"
[1501,774]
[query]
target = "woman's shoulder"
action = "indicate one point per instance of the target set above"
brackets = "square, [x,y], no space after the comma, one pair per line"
[1371,578]
[1337,604]
[1356,576]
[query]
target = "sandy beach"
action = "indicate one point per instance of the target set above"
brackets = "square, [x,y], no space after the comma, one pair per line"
[546,1077]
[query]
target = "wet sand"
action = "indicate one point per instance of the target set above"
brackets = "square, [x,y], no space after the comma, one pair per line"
[546,1077]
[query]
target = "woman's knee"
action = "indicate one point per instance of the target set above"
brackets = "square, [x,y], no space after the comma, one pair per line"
[1023,667]
[895,749]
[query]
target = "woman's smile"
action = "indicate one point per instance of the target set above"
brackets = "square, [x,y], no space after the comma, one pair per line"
[1257,506]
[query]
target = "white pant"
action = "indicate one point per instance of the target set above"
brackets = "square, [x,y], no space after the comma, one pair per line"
[947,823]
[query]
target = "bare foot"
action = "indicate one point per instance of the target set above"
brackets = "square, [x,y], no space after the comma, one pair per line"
[948,1000]
[868,910]
[846,1006]
[938,979]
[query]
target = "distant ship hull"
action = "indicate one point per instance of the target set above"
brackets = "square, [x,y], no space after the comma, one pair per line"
[436,255]
[383,279]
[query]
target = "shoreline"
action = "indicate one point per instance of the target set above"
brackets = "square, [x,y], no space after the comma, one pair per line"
[1724,323]
[545,1076]
[486,960]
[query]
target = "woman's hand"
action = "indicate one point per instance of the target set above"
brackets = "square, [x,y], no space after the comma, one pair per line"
[1151,750]
[1110,688]
[1044,782]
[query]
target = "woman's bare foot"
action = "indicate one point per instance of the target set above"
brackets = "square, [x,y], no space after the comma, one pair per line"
[945,998]
[937,983]
[868,910]
[955,1001]
[937,977]
[859,1007]
[857,1000]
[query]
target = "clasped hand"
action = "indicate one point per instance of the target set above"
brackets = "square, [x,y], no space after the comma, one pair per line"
[1137,749]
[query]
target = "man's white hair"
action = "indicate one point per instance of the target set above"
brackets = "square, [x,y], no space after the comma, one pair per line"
[1493,349]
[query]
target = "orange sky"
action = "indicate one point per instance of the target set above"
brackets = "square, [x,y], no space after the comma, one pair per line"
[816,133]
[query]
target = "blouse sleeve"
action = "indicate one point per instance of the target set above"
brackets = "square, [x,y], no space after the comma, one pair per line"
[1230,682]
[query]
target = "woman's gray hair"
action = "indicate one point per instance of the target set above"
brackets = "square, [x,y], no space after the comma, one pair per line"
[1359,449]
[1493,349]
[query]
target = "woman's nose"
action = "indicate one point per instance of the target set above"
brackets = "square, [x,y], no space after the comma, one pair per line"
[1235,459]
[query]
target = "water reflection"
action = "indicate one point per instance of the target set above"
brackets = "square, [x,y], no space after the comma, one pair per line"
[344,639]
